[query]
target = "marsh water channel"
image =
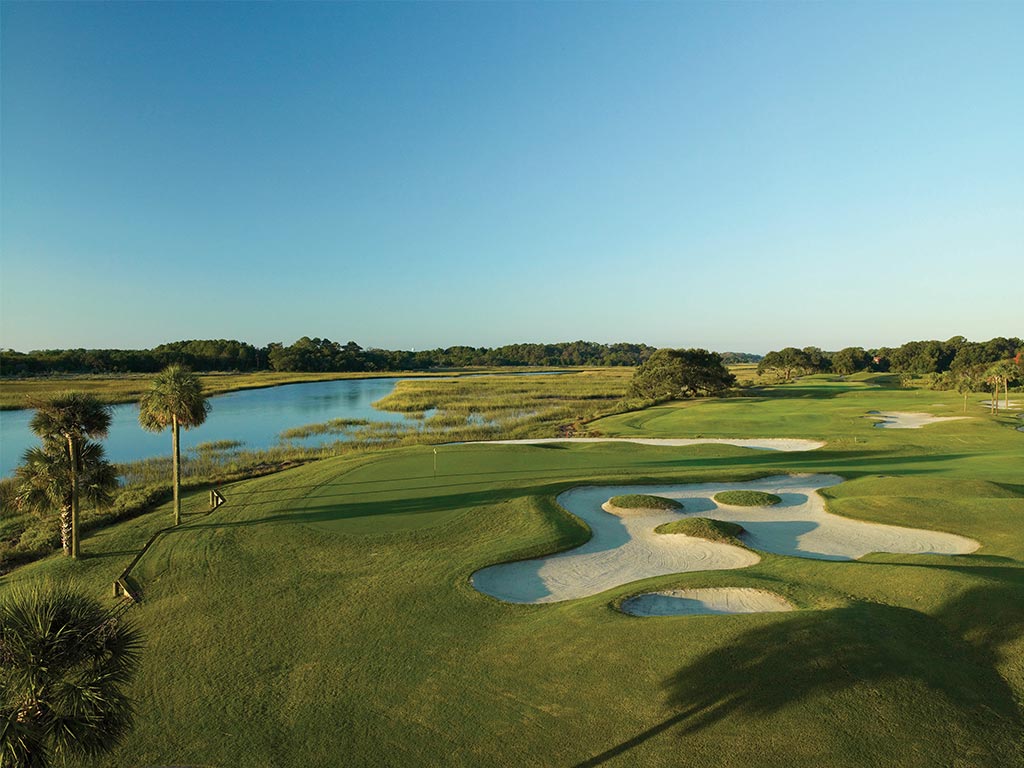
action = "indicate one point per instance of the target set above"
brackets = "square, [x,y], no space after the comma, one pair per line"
[254,417]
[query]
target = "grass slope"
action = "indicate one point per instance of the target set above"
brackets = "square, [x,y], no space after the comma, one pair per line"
[324,616]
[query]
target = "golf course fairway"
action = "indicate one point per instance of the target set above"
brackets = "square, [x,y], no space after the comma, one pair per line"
[326,615]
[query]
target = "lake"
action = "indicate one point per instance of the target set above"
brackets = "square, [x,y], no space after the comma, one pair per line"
[253,416]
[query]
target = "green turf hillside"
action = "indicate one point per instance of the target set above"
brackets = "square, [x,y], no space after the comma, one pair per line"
[324,616]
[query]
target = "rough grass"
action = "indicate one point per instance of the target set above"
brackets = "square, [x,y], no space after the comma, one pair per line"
[324,615]
[331,427]
[747,498]
[703,528]
[512,406]
[643,501]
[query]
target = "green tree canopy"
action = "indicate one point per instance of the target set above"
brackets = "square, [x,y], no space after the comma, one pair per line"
[679,373]
[43,482]
[850,360]
[68,420]
[786,362]
[175,400]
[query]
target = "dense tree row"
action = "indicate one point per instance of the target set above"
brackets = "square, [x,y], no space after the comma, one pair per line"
[315,354]
[914,357]
[205,355]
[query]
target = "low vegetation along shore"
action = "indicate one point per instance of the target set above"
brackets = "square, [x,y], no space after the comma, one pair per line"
[17,393]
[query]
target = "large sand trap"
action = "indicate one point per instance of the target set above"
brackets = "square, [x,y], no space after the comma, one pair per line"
[758,443]
[908,420]
[626,549]
[713,600]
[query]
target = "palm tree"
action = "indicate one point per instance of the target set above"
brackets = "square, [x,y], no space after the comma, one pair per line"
[65,660]
[1004,372]
[68,419]
[175,400]
[966,382]
[43,482]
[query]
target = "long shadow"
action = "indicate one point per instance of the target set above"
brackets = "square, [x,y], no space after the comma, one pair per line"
[824,653]
[332,511]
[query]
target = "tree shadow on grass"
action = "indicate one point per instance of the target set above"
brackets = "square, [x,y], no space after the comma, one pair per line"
[816,654]
[331,508]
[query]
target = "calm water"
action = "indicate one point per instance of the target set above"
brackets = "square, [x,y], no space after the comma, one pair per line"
[254,416]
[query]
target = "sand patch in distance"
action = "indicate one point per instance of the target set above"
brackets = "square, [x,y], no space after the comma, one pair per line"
[907,419]
[705,601]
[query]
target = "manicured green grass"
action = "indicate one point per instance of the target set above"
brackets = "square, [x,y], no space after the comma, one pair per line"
[643,501]
[324,615]
[703,528]
[747,498]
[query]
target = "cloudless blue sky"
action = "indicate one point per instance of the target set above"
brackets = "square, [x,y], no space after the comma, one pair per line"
[738,176]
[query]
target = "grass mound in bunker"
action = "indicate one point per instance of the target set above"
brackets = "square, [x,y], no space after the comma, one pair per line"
[704,528]
[643,501]
[747,498]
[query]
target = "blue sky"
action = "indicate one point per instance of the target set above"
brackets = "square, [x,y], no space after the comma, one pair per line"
[738,176]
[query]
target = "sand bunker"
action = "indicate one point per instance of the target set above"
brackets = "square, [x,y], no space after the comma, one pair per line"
[626,549]
[712,600]
[908,420]
[1001,404]
[757,443]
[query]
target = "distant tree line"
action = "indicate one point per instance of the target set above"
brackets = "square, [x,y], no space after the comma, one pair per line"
[200,355]
[914,357]
[324,355]
[318,355]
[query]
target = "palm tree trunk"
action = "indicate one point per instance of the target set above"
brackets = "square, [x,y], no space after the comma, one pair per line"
[177,469]
[1006,392]
[65,530]
[73,455]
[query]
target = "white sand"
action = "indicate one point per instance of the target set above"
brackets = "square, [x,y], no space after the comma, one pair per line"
[908,420]
[712,600]
[1001,404]
[626,549]
[757,443]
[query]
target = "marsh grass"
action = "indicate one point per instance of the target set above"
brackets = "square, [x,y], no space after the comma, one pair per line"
[331,427]
[129,387]
[510,406]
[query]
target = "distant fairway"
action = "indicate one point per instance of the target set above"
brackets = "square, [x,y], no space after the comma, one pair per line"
[325,617]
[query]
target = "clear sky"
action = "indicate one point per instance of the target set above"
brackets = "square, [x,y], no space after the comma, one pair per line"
[738,176]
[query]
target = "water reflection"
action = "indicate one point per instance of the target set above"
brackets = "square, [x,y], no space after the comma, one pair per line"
[254,416]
